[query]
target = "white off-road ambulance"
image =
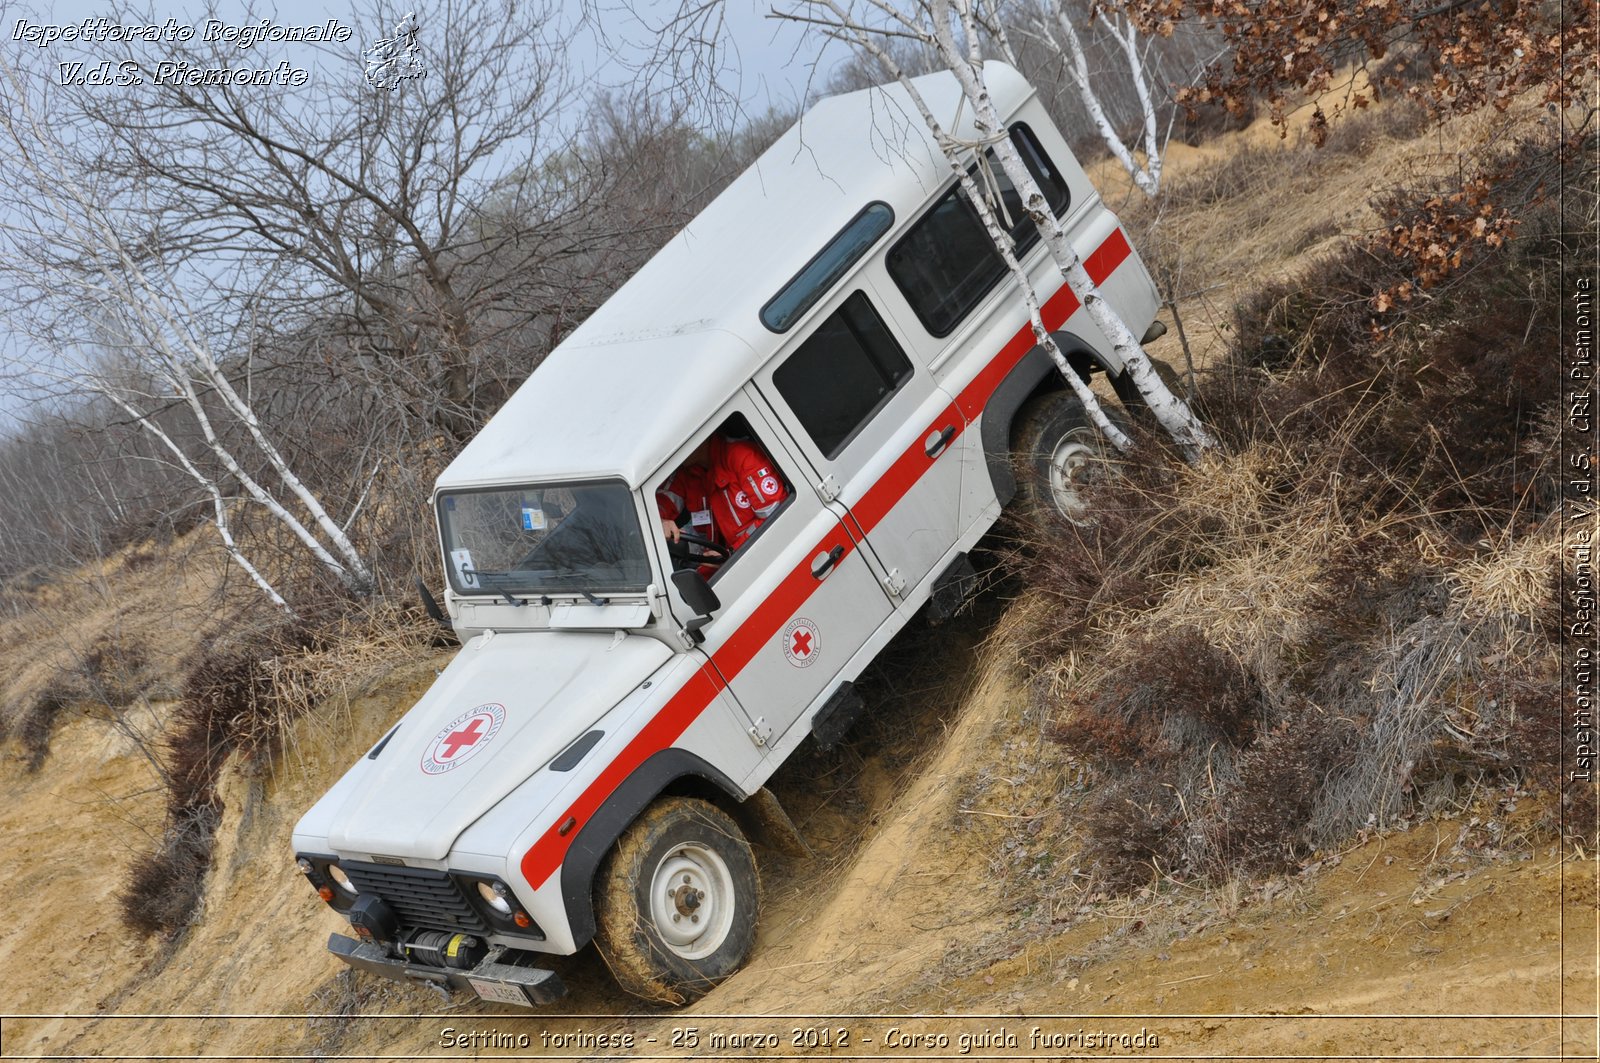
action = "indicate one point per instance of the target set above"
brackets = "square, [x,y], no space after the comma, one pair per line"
[592,762]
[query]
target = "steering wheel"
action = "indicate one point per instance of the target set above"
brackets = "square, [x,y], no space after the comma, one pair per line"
[679,551]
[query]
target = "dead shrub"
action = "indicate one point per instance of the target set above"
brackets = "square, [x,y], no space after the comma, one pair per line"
[1133,828]
[238,699]
[1360,133]
[1352,618]
[35,724]
[1199,122]
[1168,688]
[141,557]
[229,706]
[1401,69]
[164,887]
[1438,407]
[1261,823]
[116,672]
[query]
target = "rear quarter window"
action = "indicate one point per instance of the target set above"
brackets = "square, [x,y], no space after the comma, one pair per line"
[946,263]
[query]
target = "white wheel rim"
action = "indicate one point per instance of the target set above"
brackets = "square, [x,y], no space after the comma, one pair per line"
[1070,465]
[692,901]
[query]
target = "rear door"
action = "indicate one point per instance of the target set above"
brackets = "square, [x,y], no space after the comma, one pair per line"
[878,435]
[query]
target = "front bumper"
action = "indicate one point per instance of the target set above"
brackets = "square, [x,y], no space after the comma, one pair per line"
[503,983]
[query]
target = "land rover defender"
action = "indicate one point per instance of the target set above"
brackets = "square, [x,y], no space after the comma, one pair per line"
[591,764]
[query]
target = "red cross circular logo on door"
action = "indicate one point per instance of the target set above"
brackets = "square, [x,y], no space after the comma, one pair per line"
[801,642]
[459,740]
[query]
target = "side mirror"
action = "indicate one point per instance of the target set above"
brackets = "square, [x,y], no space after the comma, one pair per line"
[431,607]
[697,595]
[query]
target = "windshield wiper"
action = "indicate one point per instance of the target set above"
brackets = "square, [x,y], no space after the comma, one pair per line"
[593,600]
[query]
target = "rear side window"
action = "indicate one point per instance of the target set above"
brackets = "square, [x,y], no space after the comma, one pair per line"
[842,374]
[946,263]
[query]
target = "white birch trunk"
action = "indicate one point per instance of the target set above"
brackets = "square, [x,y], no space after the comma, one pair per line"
[1069,46]
[219,507]
[953,153]
[1171,412]
[155,330]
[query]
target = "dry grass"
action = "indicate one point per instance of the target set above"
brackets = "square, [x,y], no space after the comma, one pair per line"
[1345,621]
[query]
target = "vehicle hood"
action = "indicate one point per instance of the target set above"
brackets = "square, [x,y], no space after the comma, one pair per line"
[505,706]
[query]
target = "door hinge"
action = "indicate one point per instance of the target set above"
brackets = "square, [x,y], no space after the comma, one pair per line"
[760,733]
[828,488]
[895,582]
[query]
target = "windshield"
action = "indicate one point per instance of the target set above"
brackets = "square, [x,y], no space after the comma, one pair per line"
[543,539]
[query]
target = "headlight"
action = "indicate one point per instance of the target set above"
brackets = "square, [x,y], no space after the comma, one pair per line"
[495,895]
[341,880]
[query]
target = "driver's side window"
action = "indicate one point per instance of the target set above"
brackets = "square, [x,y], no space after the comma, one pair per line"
[719,498]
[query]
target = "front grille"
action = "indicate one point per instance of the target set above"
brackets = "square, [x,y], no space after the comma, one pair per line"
[419,896]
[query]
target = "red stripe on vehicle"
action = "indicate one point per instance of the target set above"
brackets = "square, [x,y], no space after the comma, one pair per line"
[778,607]
[1106,258]
[683,708]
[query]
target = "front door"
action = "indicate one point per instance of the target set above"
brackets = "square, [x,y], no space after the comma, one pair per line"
[798,599]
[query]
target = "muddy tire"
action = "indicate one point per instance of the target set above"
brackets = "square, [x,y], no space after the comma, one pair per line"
[1056,453]
[676,902]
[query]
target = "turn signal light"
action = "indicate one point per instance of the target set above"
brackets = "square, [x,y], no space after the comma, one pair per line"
[522,919]
[326,893]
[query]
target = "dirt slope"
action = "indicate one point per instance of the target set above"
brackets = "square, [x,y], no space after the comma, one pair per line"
[919,917]
[938,916]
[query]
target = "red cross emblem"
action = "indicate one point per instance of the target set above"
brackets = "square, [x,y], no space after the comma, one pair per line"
[801,642]
[467,736]
[462,738]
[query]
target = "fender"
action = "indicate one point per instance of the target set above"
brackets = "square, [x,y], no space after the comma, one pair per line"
[1018,386]
[613,817]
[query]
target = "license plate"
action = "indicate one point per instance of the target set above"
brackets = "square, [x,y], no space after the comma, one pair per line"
[499,992]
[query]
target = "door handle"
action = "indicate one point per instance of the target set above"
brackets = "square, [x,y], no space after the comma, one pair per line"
[823,564]
[939,440]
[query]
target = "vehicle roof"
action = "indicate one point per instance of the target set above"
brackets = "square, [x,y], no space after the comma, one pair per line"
[678,339]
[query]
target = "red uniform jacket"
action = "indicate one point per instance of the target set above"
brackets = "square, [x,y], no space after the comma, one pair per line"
[729,497]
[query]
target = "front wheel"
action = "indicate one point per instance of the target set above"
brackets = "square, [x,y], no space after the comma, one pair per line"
[1057,455]
[676,905]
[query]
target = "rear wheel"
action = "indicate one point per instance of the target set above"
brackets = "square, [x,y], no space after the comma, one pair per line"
[1058,456]
[677,900]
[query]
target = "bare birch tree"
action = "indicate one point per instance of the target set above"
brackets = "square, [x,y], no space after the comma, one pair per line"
[955,30]
[105,316]
[1051,23]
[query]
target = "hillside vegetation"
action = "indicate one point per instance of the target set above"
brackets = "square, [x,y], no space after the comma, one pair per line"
[1273,740]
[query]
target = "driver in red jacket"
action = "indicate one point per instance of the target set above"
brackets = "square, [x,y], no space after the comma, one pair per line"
[728,487]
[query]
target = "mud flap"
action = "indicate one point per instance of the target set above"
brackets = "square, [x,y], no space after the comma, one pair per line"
[953,587]
[763,820]
[836,715]
[503,983]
